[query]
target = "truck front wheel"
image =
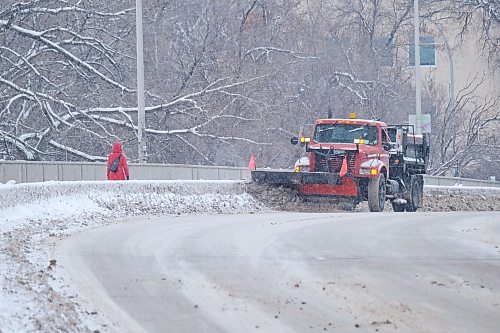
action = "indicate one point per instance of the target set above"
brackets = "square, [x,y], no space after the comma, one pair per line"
[376,193]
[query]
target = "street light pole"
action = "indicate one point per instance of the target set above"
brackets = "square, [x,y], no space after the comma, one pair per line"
[418,93]
[141,118]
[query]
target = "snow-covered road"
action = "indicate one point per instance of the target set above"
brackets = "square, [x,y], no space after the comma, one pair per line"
[35,218]
[292,272]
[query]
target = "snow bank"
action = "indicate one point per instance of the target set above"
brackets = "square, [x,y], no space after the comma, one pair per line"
[56,200]
[13,195]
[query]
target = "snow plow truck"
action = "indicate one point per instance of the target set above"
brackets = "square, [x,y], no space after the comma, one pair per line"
[356,160]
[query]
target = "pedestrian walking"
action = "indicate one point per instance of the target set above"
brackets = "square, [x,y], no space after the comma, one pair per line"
[117,168]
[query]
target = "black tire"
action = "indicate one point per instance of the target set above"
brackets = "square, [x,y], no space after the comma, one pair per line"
[398,207]
[376,193]
[415,196]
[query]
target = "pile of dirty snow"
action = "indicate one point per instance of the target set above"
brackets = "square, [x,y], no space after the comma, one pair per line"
[436,199]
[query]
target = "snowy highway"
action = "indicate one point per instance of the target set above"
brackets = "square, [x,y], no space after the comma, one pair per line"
[292,272]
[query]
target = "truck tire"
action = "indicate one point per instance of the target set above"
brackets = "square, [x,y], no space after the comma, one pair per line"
[415,195]
[376,193]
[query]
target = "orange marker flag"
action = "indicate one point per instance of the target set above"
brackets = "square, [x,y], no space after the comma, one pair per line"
[343,169]
[251,164]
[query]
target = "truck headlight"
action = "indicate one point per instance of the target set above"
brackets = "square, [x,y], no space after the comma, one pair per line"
[368,171]
[302,168]
[364,171]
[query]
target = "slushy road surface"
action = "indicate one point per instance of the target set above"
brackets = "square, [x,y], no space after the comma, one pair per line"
[293,272]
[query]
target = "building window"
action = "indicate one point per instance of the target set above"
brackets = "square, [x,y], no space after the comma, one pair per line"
[427,51]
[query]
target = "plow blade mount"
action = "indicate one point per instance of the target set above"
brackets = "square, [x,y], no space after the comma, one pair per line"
[293,179]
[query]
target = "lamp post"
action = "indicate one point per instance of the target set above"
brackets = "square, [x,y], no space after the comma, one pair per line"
[418,93]
[141,118]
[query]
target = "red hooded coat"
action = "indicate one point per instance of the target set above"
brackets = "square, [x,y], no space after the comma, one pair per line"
[122,172]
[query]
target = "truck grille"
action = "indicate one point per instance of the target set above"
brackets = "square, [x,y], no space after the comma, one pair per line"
[333,163]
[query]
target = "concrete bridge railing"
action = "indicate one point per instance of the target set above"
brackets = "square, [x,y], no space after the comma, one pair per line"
[38,171]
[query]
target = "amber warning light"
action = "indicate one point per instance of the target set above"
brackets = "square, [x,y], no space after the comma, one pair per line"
[303,139]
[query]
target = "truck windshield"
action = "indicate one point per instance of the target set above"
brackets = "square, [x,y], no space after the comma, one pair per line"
[346,133]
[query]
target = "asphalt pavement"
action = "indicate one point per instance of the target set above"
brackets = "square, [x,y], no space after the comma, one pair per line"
[292,272]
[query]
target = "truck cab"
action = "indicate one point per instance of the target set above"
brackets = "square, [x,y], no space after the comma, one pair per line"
[360,144]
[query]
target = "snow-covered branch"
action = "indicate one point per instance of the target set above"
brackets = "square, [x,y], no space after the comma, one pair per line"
[77,152]
[40,36]
[265,51]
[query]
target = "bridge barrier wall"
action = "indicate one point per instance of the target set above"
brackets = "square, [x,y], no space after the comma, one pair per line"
[39,171]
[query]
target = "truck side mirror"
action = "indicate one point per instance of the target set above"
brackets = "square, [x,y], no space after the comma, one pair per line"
[294,140]
[399,136]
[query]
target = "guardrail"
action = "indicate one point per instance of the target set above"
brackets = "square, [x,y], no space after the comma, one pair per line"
[41,171]
[453,181]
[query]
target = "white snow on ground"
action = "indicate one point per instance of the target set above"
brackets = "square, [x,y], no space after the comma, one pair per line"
[57,208]
[33,217]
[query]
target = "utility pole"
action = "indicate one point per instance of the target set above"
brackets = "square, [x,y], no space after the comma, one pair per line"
[418,93]
[141,117]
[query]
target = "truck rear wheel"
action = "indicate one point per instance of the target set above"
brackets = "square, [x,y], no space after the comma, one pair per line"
[376,193]
[415,195]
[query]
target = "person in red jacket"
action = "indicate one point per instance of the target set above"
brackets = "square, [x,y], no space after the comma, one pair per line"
[122,172]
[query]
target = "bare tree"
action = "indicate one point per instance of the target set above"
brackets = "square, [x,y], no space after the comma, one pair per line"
[223,78]
[55,55]
[66,83]
[475,142]
[481,18]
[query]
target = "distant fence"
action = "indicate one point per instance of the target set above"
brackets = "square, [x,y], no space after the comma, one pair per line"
[30,171]
[37,171]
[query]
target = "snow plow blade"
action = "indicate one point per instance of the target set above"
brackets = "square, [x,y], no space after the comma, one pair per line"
[309,183]
[294,179]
